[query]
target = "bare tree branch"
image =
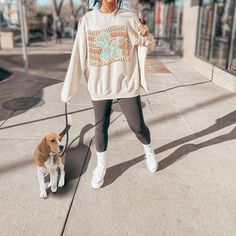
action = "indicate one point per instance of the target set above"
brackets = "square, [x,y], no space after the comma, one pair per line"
[57,7]
[60,6]
[72,7]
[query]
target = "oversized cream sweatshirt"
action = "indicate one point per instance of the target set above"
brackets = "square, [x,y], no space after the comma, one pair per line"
[105,55]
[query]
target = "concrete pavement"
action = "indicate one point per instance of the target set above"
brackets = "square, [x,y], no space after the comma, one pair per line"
[192,124]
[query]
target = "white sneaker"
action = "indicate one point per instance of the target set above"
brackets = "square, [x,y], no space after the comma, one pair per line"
[151,161]
[98,177]
[100,171]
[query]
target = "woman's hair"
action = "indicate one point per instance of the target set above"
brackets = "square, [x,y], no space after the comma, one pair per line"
[118,3]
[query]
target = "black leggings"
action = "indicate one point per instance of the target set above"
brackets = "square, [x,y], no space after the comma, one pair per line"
[132,110]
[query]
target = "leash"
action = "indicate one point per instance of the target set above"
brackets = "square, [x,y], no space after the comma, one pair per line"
[67,132]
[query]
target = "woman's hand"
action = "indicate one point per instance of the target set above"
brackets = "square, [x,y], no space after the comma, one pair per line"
[143,29]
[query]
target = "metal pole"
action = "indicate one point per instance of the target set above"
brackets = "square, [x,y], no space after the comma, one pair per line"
[231,41]
[212,40]
[23,38]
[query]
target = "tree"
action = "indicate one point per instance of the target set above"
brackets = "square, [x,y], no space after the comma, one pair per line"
[80,10]
[57,6]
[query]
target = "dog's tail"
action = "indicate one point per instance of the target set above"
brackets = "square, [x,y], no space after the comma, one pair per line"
[62,134]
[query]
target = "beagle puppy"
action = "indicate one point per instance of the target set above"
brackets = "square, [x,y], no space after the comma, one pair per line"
[48,158]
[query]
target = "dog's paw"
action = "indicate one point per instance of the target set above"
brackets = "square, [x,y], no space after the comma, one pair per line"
[43,195]
[61,182]
[53,189]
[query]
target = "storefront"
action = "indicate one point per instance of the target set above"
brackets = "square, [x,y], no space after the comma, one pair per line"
[169,17]
[210,39]
[216,33]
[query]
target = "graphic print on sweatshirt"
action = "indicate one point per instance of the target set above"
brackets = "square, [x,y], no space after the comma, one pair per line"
[108,45]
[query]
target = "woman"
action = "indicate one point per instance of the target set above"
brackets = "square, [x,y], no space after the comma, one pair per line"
[105,54]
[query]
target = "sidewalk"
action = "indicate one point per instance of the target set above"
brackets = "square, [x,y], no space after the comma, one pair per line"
[42,48]
[192,124]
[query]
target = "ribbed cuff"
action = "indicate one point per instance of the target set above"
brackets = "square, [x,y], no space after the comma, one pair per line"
[147,147]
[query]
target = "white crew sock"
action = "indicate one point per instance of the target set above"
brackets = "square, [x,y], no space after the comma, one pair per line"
[147,147]
[101,158]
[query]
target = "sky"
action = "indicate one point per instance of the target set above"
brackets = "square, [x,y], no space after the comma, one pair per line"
[43,2]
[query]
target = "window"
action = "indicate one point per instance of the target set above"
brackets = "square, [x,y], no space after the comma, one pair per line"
[223,26]
[233,60]
[205,28]
[216,33]
[172,18]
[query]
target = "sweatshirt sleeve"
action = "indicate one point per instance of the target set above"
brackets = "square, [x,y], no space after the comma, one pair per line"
[77,64]
[149,40]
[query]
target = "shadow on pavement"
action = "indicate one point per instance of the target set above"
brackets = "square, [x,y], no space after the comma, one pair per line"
[115,171]
[50,68]
[76,162]
[16,87]
[42,119]
[220,98]
[39,61]
[184,150]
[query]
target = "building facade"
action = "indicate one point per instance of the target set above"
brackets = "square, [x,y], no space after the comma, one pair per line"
[209,39]
[203,32]
[8,12]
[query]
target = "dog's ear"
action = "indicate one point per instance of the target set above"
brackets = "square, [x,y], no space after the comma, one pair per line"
[43,147]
